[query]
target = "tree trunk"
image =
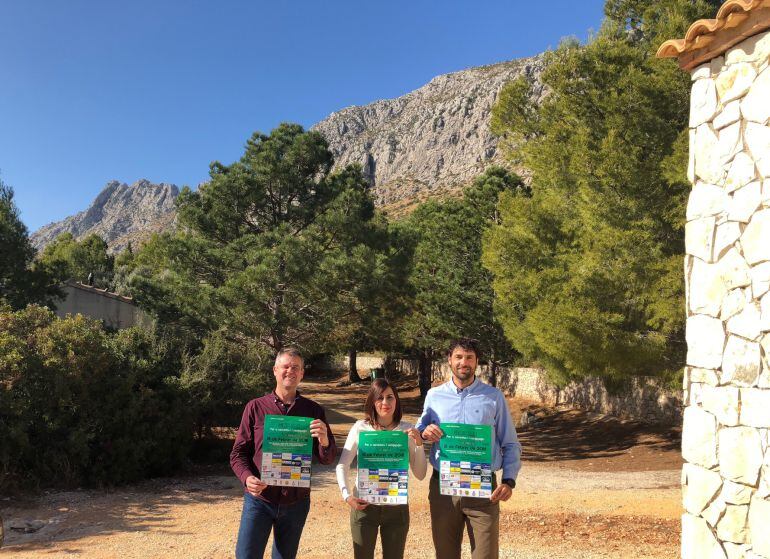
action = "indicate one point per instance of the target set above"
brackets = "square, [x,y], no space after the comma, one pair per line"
[277,329]
[424,375]
[353,367]
[493,366]
[493,373]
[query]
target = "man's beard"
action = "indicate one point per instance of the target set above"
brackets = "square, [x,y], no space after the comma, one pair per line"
[463,373]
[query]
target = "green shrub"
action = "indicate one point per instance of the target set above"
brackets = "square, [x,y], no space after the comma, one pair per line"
[79,405]
[221,378]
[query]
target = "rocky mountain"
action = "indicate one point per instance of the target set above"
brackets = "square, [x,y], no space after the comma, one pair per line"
[426,143]
[432,140]
[119,214]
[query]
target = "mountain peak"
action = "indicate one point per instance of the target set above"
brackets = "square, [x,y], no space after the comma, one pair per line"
[118,212]
[426,143]
[431,140]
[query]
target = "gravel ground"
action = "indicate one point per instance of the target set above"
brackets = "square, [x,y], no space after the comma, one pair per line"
[562,507]
[554,513]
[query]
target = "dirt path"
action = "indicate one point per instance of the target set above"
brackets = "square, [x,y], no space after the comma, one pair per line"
[590,488]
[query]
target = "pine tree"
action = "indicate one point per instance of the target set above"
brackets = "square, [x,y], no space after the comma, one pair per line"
[68,258]
[588,270]
[274,250]
[21,282]
[453,294]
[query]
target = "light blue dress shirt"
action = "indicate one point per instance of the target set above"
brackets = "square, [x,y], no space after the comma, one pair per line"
[477,404]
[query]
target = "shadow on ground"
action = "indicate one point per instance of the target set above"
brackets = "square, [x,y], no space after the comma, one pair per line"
[71,516]
[586,440]
[557,435]
[74,515]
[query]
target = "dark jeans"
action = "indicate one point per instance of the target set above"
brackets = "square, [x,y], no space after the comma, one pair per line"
[260,517]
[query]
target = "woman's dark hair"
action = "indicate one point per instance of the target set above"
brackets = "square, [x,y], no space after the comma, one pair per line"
[379,386]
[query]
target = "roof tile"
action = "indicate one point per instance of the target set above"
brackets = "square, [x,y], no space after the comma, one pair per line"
[735,21]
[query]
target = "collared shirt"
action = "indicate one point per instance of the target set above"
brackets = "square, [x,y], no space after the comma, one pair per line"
[477,404]
[246,456]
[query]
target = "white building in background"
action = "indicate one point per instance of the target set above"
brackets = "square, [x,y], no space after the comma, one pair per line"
[115,311]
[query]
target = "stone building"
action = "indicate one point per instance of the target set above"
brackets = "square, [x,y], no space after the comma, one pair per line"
[114,310]
[726,477]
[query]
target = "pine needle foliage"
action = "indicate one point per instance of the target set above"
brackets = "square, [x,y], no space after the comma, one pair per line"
[588,271]
[275,250]
[21,281]
[453,294]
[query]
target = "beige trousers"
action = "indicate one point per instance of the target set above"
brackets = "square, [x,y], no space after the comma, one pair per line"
[449,516]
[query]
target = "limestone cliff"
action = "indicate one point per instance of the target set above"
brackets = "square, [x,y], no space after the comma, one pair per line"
[119,214]
[433,139]
[426,143]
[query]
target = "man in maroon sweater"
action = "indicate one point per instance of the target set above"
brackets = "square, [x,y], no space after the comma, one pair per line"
[267,508]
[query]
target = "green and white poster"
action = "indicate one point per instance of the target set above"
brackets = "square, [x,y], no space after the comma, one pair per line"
[466,460]
[383,467]
[287,451]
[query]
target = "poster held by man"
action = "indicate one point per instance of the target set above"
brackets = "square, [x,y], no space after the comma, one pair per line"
[287,451]
[466,460]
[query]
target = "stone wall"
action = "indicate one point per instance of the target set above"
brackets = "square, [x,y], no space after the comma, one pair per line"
[642,399]
[726,478]
[113,310]
[339,363]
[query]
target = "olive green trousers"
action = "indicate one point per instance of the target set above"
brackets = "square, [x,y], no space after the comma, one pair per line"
[392,522]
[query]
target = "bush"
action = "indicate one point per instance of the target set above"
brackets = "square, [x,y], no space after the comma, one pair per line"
[79,405]
[221,378]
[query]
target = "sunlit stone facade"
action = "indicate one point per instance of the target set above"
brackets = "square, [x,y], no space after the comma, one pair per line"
[726,478]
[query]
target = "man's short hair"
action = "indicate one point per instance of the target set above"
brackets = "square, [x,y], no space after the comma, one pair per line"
[291,352]
[467,344]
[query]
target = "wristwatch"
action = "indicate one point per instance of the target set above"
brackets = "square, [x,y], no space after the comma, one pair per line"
[509,482]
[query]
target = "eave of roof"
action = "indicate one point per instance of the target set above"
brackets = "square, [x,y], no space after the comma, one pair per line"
[706,39]
[97,291]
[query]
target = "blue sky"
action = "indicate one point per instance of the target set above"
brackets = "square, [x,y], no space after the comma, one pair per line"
[97,90]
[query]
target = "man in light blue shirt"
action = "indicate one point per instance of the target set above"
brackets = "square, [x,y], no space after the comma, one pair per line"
[465,399]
